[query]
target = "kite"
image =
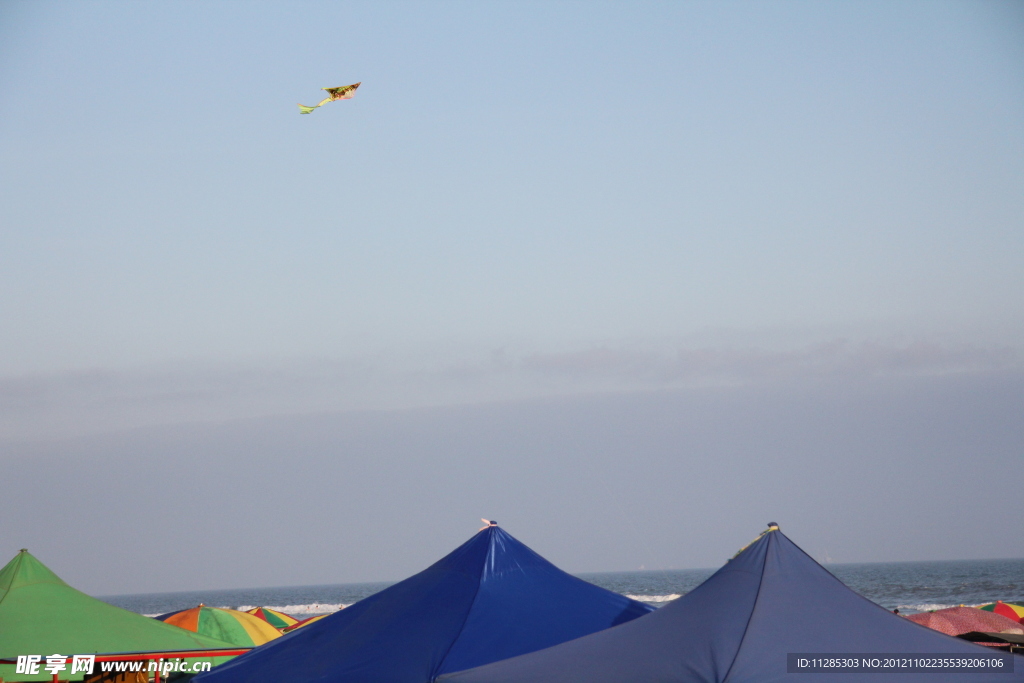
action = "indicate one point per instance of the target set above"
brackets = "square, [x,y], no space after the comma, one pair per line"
[345,92]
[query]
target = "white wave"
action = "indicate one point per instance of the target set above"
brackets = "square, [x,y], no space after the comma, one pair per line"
[927,607]
[310,610]
[654,598]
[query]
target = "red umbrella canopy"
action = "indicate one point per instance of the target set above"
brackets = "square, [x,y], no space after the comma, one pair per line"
[1011,610]
[956,620]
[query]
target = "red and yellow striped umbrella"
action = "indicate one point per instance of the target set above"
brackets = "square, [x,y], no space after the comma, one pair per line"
[304,622]
[1012,610]
[232,626]
[278,620]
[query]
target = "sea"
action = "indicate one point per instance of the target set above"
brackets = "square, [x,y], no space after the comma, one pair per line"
[907,586]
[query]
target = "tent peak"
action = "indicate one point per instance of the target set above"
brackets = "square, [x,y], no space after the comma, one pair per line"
[488,523]
[489,599]
[39,612]
[772,526]
[25,569]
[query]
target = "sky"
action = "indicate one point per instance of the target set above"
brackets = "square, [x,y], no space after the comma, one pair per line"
[632,278]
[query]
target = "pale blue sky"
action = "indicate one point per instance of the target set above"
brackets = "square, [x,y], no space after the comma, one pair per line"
[524,201]
[544,174]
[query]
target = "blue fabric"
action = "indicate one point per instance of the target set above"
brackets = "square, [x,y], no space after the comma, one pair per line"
[489,599]
[738,627]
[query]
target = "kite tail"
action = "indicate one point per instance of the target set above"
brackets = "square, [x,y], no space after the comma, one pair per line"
[303,109]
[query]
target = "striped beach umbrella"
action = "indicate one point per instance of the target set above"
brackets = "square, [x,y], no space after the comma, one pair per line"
[232,626]
[304,622]
[1012,610]
[278,620]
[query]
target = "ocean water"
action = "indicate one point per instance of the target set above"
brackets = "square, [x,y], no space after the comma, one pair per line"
[907,586]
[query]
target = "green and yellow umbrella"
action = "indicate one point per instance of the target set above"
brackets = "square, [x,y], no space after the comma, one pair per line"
[232,626]
[278,620]
[1012,610]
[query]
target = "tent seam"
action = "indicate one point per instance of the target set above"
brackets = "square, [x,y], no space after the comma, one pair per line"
[476,593]
[10,588]
[746,628]
[873,603]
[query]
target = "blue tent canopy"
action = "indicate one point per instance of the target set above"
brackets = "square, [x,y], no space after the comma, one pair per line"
[490,599]
[740,625]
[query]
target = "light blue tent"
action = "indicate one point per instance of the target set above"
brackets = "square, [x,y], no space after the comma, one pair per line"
[490,599]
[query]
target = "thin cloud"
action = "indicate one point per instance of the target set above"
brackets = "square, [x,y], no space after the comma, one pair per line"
[837,357]
[62,405]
